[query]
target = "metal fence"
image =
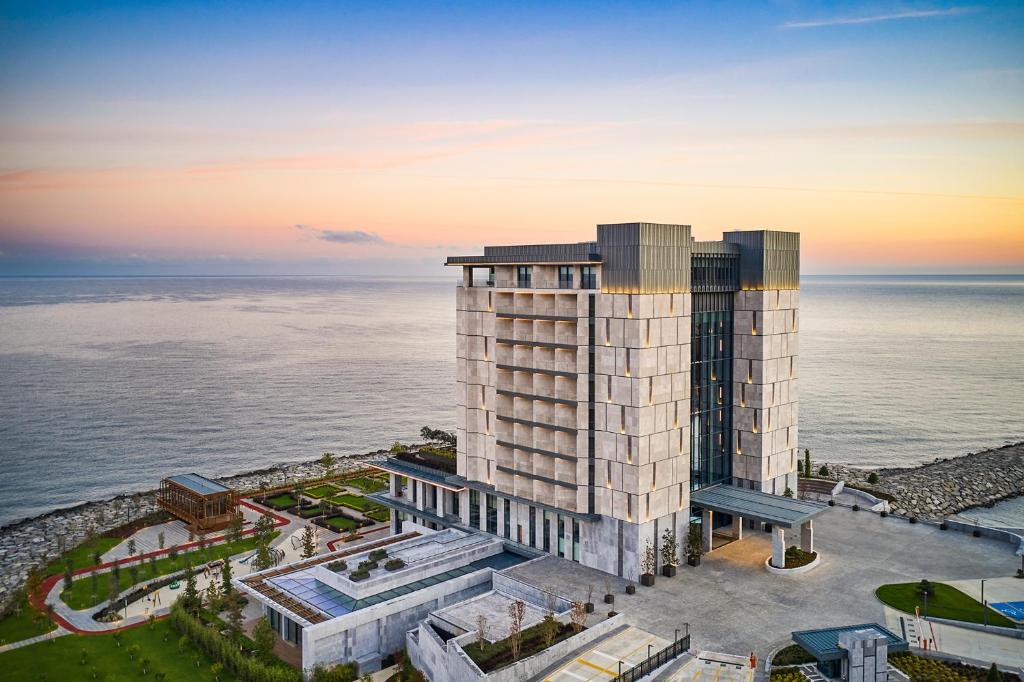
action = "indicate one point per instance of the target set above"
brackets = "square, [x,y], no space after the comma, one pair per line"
[646,667]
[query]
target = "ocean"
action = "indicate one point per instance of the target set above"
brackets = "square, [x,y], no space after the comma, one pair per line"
[109,384]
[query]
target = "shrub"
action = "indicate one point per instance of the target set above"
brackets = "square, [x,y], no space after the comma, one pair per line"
[367,565]
[359,574]
[394,564]
[794,654]
[872,478]
[787,675]
[856,507]
[337,566]
[823,471]
[378,554]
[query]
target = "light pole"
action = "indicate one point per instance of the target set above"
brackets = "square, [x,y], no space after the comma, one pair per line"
[983,605]
[620,668]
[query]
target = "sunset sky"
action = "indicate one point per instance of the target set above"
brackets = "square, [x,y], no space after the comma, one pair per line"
[310,138]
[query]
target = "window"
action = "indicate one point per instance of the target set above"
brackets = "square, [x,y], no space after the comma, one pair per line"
[474,508]
[565,277]
[492,514]
[588,278]
[575,540]
[524,276]
[561,536]
[508,519]
[455,504]
[547,531]
[533,527]
[490,277]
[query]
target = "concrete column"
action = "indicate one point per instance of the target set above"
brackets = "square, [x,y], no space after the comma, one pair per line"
[807,537]
[707,518]
[467,276]
[737,527]
[393,484]
[500,530]
[464,507]
[421,493]
[778,547]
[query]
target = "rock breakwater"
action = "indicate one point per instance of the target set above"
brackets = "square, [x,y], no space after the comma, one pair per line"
[946,486]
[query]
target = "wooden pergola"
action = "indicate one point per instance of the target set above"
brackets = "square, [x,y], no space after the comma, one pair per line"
[203,504]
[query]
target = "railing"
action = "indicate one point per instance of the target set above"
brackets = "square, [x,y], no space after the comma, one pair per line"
[646,667]
[530,284]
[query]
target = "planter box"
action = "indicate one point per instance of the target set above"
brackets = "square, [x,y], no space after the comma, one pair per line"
[589,607]
[609,599]
[693,560]
[630,589]
[647,579]
[668,571]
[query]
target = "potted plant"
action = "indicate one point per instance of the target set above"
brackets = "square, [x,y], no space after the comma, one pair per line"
[694,545]
[588,605]
[630,589]
[609,598]
[647,564]
[669,553]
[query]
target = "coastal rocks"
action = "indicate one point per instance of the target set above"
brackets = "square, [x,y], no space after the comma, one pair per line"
[946,486]
[35,541]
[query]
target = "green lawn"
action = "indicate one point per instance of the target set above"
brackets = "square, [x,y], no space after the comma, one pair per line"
[81,556]
[60,658]
[340,523]
[322,491]
[282,500]
[28,622]
[357,502]
[380,515]
[947,602]
[367,484]
[80,596]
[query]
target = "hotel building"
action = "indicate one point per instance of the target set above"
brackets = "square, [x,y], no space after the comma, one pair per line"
[610,390]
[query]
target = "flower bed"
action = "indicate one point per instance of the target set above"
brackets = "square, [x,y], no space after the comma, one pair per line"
[797,558]
[788,675]
[922,669]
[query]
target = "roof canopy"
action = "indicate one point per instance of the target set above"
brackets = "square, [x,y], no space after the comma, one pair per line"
[786,512]
[824,644]
[198,484]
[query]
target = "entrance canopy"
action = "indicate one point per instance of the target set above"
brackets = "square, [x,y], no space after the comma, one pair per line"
[784,512]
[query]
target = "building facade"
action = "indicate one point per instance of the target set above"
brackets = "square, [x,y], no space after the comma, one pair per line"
[601,385]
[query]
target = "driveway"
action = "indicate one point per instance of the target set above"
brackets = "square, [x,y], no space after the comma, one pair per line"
[734,605]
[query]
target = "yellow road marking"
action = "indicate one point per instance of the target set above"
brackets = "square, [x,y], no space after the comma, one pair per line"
[597,667]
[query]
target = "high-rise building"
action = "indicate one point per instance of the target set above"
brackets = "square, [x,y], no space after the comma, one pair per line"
[610,391]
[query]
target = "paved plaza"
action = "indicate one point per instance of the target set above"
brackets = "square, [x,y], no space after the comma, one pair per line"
[734,605]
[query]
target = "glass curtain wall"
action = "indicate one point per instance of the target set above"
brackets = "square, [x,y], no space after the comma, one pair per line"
[711,396]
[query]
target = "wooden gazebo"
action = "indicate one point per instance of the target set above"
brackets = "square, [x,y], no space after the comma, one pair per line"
[203,504]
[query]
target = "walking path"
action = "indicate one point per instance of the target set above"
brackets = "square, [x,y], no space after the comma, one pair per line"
[59,632]
[981,647]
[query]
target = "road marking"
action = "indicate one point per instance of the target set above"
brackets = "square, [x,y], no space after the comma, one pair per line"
[601,653]
[595,666]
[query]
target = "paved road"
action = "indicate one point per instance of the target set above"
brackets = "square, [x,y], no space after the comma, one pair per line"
[601,662]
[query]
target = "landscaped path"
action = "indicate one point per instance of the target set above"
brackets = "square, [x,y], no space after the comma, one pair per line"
[81,622]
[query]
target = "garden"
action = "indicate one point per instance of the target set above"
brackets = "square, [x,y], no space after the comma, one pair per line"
[356,502]
[921,669]
[939,600]
[279,502]
[367,484]
[494,655]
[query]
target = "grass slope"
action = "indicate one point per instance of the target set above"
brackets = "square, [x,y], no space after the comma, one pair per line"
[23,621]
[947,602]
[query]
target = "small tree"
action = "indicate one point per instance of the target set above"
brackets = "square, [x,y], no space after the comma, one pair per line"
[133,651]
[398,448]
[172,553]
[263,639]
[225,577]
[788,492]
[578,616]
[694,542]
[263,559]
[234,618]
[217,669]
[308,540]
[993,674]
[807,463]
[516,611]
[67,577]
[669,548]
[144,664]
[823,471]
[118,636]
[113,588]
[97,558]
[481,630]
[160,541]
[235,528]
[650,560]
[872,478]
[327,462]
[131,546]
[190,597]
[548,629]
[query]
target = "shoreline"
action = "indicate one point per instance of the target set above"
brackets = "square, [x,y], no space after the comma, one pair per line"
[941,488]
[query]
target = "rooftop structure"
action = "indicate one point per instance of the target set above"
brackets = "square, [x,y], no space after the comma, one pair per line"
[611,390]
[202,503]
[336,616]
[857,653]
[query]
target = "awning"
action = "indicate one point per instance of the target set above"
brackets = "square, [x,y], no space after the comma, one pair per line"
[786,512]
[824,644]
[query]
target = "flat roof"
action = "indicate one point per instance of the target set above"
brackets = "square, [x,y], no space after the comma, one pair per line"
[786,512]
[823,644]
[199,484]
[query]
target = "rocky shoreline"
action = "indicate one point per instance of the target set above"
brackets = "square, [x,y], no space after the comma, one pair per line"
[35,541]
[946,486]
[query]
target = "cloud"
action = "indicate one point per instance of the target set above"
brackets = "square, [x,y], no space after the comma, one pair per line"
[876,18]
[342,236]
